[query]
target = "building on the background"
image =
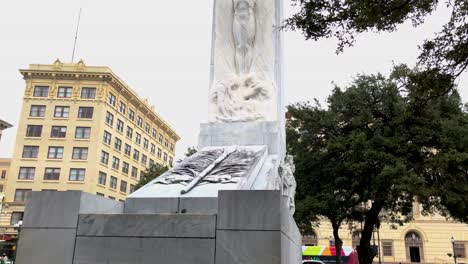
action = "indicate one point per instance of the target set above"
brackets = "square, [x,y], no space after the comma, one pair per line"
[82,128]
[426,239]
[4,172]
[3,125]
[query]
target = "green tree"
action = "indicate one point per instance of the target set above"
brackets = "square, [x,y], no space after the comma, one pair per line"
[190,151]
[382,142]
[150,174]
[344,19]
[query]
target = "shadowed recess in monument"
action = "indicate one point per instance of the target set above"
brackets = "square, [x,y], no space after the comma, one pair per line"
[230,168]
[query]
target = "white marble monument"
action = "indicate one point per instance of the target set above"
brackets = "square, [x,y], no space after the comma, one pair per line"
[245,133]
[229,203]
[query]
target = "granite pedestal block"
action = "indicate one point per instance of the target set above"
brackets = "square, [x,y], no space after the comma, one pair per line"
[246,227]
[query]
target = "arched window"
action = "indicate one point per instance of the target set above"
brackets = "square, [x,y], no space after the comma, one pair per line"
[356,239]
[310,239]
[414,247]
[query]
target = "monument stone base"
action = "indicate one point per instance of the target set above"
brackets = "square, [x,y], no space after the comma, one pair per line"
[237,227]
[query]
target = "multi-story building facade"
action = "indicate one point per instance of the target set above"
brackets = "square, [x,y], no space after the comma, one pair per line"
[3,125]
[426,239]
[82,128]
[4,172]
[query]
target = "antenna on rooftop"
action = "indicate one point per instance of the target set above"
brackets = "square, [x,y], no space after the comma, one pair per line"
[76,35]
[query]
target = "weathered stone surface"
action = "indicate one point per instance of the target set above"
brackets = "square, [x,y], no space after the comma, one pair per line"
[249,210]
[46,246]
[151,205]
[256,247]
[94,204]
[52,209]
[229,134]
[198,205]
[100,250]
[133,225]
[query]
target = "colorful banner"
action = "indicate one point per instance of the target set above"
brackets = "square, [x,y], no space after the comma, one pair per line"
[325,251]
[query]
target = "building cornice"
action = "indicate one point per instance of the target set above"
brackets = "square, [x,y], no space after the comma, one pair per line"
[82,72]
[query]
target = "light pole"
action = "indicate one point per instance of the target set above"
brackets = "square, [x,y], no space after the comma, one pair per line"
[17,227]
[453,248]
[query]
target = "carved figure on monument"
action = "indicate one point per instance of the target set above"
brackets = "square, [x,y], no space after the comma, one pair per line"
[243,88]
[243,29]
[287,181]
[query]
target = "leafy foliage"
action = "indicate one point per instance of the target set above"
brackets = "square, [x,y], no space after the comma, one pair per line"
[344,19]
[150,174]
[389,141]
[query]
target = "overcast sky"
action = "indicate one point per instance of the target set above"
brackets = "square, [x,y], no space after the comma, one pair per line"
[162,50]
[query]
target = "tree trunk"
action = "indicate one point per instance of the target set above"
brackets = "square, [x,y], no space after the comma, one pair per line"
[338,242]
[366,252]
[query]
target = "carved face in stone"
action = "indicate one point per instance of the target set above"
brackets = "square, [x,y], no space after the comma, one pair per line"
[242,9]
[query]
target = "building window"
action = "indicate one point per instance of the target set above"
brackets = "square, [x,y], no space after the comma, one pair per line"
[55,153]
[41,91]
[165,156]
[310,239]
[21,194]
[171,147]
[140,121]
[26,173]
[77,175]
[85,112]
[127,149]
[413,244]
[37,111]
[131,114]
[100,194]
[111,99]
[136,155]
[387,248]
[356,239]
[117,144]
[160,139]
[52,174]
[107,138]
[30,152]
[144,159]
[115,163]
[58,132]
[3,174]
[166,143]
[151,162]
[16,217]
[109,118]
[134,172]
[125,167]
[459,248]
[80,153]
[120,125]
[153,148]
[102,178]
[88,93]
[104,157]
[113,182]
[111,198]
[122,107]
[64,92]
[62,111]
[132,188]
[129,132]
[83,133]
[171,161]
[123,186]
[138,138]
[159,153]
[34,131]
[145,143]
[147,128]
